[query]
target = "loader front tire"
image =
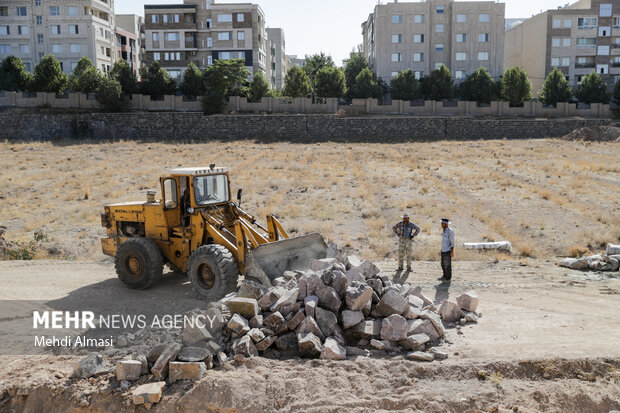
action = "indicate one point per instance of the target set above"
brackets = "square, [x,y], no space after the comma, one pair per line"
[139,263]
[213,272]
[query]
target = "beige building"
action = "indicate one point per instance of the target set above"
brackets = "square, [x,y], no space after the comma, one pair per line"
[68,29]
[577,39]
[278,64]
[130,37]
[422,36]
[202,31]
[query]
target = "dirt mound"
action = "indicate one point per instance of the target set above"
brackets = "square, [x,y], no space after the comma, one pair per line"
[595,134]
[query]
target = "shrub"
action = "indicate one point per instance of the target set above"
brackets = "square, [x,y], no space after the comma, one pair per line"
[49,77]
[221,79]
[353,66]
[330,83]
[13,75]
[555,89]
[157,82]
[314,64]
[259,88]
[405,86]
[366,86]
[110,95]
[122,73]
[439,85]
[478,87]
[85,77]
[592,89]
[192,84]
[516,87]
[296,83]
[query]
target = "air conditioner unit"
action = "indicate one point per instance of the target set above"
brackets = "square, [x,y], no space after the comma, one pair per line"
[192,53]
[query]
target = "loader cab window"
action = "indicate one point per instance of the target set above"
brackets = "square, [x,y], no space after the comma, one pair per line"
[212,189]
[171,198]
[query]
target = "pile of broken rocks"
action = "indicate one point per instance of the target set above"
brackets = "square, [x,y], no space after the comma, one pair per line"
[339,307]
[610,261]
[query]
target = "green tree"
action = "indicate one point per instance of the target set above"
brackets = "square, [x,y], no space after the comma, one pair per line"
[123,74]
[439,85]
[478,87]
[616,97]
[49,77]
[314,64]
[85,77]
[592,89]
[555,89]
[192,84]
[405,86]
[353,66]
[330,83]
[516,87]
[158,82]
[366,86]
[13,75]
[259,88]
[110,95]
[296,83]
[223,78]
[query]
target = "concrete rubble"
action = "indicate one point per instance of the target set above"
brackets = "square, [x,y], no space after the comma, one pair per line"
[610,261]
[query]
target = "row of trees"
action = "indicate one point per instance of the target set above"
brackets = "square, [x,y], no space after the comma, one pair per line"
[319,78]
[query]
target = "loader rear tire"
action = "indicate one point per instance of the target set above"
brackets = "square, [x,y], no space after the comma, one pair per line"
[213,272]
[139,263]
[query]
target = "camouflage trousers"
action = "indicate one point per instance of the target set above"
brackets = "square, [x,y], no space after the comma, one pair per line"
[405,249]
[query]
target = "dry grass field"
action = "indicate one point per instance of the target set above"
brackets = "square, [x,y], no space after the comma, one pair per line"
[548,197]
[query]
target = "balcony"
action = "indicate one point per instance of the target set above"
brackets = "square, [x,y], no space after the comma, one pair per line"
[585,65]
[615,64]
[587,27]
[586,46]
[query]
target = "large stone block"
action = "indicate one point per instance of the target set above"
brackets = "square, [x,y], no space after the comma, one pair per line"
[333,351]
[129,370]
[449,312]
[323,264]
[309,325]
[420,356]
[160,368]
[246,307]
[295,320]
[270,298]
[326,320]
[265,343]
[245,346]
[251,289]
[352,261]
[193,354]
[351,318]
[186,371]
[195,332]
[358,295]
[368,269]
[147,394]
[238,324]
[276,322]
[394,328]
[328,298]
[414,342]
[435,319]
[368,329]
[310,304]
[391,303]
[91,365]
[468,301]
[287,298]
[422,327]
[287,343]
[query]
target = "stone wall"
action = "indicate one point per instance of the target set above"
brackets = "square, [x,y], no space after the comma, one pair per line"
[175,126]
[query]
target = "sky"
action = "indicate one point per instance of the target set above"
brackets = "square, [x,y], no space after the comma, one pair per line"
[329,26]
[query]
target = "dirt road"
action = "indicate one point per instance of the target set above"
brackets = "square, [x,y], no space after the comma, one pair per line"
[548,339]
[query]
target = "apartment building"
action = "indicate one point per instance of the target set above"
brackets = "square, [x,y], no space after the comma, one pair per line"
[293,60]
[577,39]
[422,36]
[68,29]
[130,37]
[203,31]
[278,64]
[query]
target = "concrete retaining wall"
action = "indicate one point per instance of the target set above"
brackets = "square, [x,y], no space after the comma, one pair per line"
[176,126]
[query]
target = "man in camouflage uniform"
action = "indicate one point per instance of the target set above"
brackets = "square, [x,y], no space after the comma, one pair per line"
[406,231]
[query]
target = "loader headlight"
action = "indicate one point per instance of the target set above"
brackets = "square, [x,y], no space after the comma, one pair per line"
[190,210]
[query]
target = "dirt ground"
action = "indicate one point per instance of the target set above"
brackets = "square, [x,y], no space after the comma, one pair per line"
[549,198]
[547,341]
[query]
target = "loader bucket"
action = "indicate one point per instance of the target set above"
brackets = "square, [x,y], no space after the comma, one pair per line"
[285,255]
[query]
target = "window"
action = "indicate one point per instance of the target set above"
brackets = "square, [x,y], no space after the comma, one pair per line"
[209,42]
[27,67]
[178,56]
[165,18]
[75,48]
[418,18]
[418,38]
[461,56]
[22,29]
[73,65]
[240,35]
[209,23]
[557,23]
[54,11]
[397,57]
[209,60]
[587,23]
[602,69]
[483,37]
[39,20]
[171,199]
[167,56]
[459,74]
[155,18]
[461,37]
[171,37]
[56,48]
[241,55]
[397,38]
[555,42]
[482,56]
[5,49]
[225,55]
[439,9]
[461,18]
[586,43]
[156,56]
[223,36]
[439,47]
[568,23]
[418,75]
[37,3]
[605,10]
[72,11]
[485,18]
[4,11]
[555,61]
[418,57]
[101,31]
[21,11]
[438,65]
[566,61]
[74,29]
[5,30]
[603,51]
[616,22]
[397,19]
[566,42]
[24,48]
[240,17]
[604,31]
[211,189]
[155,36]
[39,38]
[439,28]
[55,29]
[224,18]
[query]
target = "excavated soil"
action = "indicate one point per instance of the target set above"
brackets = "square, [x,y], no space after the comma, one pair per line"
[595,134]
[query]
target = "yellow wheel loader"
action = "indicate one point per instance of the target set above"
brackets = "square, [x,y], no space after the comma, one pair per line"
[197,228]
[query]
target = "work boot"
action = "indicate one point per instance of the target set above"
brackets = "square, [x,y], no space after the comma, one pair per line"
[399,268]
[408,268]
